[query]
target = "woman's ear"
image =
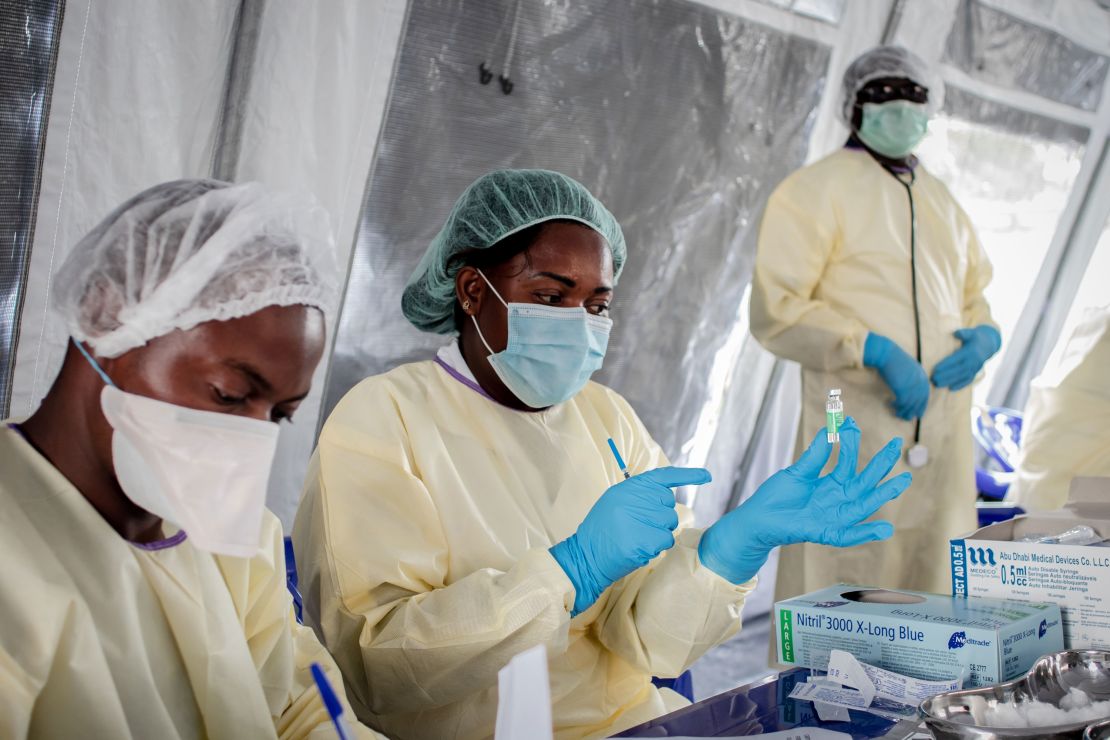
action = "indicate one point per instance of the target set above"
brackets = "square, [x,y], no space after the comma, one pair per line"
[470,288]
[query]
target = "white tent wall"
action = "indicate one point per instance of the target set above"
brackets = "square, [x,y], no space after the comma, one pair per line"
[136,99]
[1081,25]
[1064,268]
[318,91]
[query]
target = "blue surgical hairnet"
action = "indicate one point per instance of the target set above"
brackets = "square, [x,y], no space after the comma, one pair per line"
[889,61]
[493,207]
[190,251]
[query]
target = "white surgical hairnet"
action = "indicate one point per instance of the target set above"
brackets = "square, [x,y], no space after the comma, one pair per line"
[190,251]
[889,61]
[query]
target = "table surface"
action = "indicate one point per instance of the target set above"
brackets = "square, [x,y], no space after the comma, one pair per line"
[759,707]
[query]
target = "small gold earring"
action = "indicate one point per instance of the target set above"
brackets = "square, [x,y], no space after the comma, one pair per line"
[466,305]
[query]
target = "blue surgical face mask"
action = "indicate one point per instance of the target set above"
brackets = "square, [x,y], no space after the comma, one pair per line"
[895,128]
[551,351]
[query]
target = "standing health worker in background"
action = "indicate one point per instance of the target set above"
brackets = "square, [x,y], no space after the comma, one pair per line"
[1067,418]
[869,275]
[462,510]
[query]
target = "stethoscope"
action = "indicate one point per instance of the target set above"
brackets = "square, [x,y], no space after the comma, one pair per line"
[918,455]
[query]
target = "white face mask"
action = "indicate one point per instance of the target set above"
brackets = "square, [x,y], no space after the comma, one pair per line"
[203,471]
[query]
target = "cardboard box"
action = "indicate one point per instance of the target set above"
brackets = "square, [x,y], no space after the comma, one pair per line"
[927,636]
[1077,578]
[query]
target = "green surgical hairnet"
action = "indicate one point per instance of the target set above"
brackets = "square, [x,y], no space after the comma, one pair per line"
[888,61]
[495,206]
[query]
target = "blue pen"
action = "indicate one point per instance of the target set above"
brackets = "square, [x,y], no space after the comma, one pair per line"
[620,460]
[331,701]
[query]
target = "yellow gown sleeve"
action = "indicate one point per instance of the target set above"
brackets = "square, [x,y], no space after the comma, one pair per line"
[17,697]
[283,650]
[797,236]
[664,616]
[45,631]
[38,678]
[29,645]
[1066,433]
[404,638]
[976,310]
[304,717]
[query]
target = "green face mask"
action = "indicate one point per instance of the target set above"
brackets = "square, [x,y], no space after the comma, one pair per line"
[893,129]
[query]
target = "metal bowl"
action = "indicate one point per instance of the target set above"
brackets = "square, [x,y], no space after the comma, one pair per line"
[1098,731]
[949,716]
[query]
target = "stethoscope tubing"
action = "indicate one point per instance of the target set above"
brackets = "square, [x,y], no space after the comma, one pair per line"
[913,273]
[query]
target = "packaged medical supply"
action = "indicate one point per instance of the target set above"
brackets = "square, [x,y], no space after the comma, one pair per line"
[850,684]
[925,636]
[993,561]
[822,694]
[1079,535]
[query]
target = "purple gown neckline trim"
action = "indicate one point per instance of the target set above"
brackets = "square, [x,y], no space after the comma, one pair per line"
[463,379]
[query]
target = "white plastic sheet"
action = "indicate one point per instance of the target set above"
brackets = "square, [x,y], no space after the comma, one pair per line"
[318,90]
[136,101]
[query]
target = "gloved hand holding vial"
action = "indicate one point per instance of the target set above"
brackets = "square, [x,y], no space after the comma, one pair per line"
[799,504]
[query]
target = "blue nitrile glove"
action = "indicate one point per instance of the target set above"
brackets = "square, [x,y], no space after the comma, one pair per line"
[629,525]
[797,505]
[903,374]
[958,369]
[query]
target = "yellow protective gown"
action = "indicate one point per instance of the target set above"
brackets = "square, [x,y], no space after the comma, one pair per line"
[100,638]
[833,264]
[1067,418]
[422,544]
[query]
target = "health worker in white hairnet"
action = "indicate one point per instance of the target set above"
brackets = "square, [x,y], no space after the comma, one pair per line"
[869,274]
[142,587]
[1066,433]
[462,510]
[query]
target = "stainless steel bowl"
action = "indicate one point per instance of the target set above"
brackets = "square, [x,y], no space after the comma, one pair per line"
[1098,731]
[949,716]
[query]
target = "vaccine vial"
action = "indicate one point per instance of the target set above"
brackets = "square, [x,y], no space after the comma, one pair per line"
[834,415]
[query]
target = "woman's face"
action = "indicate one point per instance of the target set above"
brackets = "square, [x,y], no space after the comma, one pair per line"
[569,265]
[259,366]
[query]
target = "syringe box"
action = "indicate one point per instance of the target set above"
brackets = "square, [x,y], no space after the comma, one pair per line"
[922,635]
[988,562]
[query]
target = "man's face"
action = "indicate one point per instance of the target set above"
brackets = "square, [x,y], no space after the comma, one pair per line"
[885,90]
[259,366]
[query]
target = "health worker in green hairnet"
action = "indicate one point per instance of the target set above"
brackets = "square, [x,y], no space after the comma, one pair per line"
[462,510]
